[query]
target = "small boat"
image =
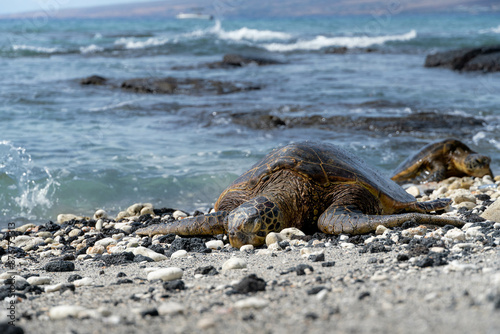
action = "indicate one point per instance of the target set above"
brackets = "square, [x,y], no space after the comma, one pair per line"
[194,16]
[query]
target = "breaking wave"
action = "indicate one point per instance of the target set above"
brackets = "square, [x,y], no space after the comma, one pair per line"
[320,42]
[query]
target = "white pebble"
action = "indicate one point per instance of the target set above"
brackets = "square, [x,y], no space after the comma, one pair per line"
[264,252]
[86,281]
[74,232]
[166,274]
[246,248]
[289,232]
[274,247]
[105,242]
[65,311]
[380,230]
[347,245]
[149,253]
[251,302]
[215,244]
[178,254]
[39,280]
[234,263]
[53,288]
[179,214]
[98,225]
[207,322]
[62,218]
[100,214]
[274,237]
[456,266]
[413,190]
[455,234]
[171,308]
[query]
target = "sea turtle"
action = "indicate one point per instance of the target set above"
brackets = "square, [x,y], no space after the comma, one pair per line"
[310,186]
[441,160]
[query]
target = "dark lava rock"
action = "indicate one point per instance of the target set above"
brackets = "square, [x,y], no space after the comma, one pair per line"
[485,59]
[175,285]
[124,281]
[59,266]
[157,248]
[74,277]
[5,328]
[317,257]
[207,270]
[93,80]
[117,259]
[16,251]
[374,247]
[239,60]
[188,244]
[167,239]
[188,86]
[470,217]
[432,260]
[49,227]
[2,251]
[251,283]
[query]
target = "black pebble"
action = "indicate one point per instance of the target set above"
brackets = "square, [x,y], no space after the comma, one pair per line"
[317,257]
[363,295]
[5,328]
[175,285]
[207,270]
[74,277]
[124,281]
[251,283]
[402,257]
[311,316]
[121,274]
[140,258]
[315,290]
[300,269]
[373,247]
[151,312]
[328,264]
[59,266]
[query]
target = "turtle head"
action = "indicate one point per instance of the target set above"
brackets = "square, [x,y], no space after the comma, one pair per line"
[252,221]
[477,165]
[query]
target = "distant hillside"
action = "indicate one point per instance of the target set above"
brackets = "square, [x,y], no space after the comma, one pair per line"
[266,8]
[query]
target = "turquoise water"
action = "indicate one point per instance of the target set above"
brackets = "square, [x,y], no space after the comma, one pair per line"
[69,148]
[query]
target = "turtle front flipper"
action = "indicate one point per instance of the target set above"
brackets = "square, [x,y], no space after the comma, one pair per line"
[349,220]
[209,224]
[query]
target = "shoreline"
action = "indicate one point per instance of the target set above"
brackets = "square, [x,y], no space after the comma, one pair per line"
[415,279]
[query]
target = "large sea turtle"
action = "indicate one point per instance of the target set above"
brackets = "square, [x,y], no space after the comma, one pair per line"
[310,186]
[441,160]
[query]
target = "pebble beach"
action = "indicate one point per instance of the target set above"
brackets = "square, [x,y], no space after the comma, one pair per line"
[93,275]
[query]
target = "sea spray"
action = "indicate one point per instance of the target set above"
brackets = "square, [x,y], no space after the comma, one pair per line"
[25,191]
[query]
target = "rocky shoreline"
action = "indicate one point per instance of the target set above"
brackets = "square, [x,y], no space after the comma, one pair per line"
[93,274]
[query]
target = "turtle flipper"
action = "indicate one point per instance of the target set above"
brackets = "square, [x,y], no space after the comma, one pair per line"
[348,220]
[209,224]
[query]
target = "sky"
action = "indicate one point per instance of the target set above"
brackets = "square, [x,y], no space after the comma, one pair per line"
[18,6]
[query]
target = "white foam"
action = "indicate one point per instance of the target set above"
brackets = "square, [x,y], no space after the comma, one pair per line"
[242,34]
[133,43]
[495,30]
[320,42]
[38,49]
[91,49]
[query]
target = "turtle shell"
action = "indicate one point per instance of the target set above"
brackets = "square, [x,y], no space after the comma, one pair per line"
[436,151]
[323,164]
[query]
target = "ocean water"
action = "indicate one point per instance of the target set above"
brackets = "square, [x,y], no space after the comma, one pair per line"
[68,148]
